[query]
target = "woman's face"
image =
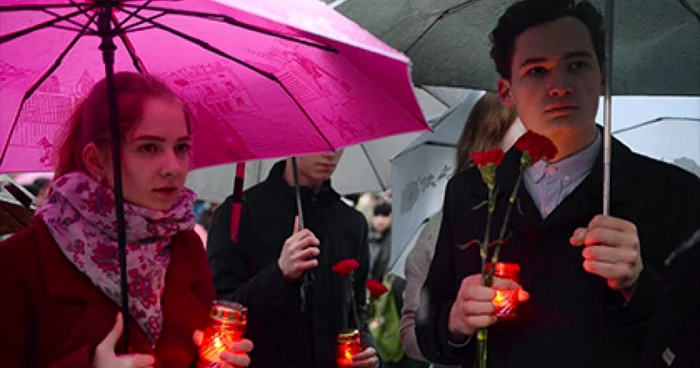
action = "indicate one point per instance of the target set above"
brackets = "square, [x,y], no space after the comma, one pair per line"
[155,156]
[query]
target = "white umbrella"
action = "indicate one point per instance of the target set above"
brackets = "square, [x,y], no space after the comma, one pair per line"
[665,128]
[419,175]
[673,140]
[363,168]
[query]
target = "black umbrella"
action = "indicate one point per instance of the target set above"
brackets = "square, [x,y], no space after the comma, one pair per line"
[16,209]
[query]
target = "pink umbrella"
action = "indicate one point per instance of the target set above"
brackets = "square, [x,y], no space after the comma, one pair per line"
[265,78]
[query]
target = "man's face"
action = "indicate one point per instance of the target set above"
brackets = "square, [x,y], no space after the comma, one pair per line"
[555,79]
[317,168]
[381,222]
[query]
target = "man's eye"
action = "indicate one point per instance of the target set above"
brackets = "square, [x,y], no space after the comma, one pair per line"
[579,65]
[184,147]
[536,71]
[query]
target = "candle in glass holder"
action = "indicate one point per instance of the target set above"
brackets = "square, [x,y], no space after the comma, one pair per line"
[348,345]
[506,301]
[227,323]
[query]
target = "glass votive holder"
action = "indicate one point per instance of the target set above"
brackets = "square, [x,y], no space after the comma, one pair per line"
[348,345]
[227,324]
[506,301]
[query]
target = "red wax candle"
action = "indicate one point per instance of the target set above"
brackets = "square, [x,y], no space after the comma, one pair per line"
[227,323]
[348,345]
[506,301]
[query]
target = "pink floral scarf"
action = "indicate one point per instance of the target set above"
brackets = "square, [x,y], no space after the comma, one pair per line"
[80,214]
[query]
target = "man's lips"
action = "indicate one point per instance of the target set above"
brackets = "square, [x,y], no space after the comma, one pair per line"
[560,107]
[328,167]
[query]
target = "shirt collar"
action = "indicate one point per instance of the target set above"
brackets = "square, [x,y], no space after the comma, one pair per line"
[572,167]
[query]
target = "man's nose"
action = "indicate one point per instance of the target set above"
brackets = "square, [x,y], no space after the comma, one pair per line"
[559,84]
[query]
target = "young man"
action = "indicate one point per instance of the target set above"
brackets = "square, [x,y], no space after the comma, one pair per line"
[264,269]
[592,280]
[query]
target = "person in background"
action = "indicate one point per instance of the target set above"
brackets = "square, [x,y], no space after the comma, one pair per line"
[293,325]
[380,241]
[60,278]
[489,125]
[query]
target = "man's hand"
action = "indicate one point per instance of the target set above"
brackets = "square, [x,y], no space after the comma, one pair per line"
[611,251]
[474,309]
[298,253]
[365,359]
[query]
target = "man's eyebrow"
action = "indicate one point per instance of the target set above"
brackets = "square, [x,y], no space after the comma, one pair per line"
[578,54]
[568,55]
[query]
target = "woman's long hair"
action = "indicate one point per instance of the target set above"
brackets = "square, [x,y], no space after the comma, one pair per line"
[485,128]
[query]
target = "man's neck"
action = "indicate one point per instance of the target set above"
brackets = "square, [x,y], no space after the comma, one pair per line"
[303,180]
[573,141]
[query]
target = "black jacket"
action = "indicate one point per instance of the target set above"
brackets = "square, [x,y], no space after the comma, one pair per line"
[379,253]
[572,318]
[247,271]
[674,335]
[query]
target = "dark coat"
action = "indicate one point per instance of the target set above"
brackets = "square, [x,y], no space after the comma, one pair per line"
[572,318]
[51,314]
[380,253]
[674,334]
[247,271]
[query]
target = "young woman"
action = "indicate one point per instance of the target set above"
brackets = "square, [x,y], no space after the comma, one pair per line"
[59,278]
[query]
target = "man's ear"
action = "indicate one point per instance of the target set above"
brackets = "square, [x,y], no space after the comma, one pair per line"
[93,161]
[505,93]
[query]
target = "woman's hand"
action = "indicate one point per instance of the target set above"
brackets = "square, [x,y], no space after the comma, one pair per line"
[106,358]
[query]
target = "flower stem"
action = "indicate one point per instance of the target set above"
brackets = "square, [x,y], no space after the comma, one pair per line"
[481,334]
[351,293]
[482,338]
[484,249]
[511,201]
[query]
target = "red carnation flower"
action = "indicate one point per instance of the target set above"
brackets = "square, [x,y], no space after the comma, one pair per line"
[536,146]
[345,267]
[376,288]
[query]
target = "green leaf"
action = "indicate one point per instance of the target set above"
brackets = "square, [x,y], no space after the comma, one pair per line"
[465,246]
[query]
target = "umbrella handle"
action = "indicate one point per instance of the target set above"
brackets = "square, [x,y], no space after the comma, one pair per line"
[307,277]
[237,200]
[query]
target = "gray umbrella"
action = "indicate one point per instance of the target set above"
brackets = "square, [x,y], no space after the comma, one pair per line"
[656,42]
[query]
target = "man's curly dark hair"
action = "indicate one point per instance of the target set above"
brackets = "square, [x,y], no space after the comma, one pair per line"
[531,13]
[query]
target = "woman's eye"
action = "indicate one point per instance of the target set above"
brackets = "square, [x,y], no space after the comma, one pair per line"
[185,147]
[148,148]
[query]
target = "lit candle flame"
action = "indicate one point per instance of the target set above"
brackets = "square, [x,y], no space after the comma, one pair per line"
[348,355]
[500,299]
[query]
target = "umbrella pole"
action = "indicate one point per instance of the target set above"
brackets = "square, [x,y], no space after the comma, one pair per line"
[297,192]
[607,117]
[107,46]
[307,277]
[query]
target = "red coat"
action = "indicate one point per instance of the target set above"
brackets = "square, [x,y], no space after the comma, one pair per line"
[51,315]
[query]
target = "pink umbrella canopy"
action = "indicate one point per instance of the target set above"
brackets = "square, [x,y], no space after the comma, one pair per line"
[265,78]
